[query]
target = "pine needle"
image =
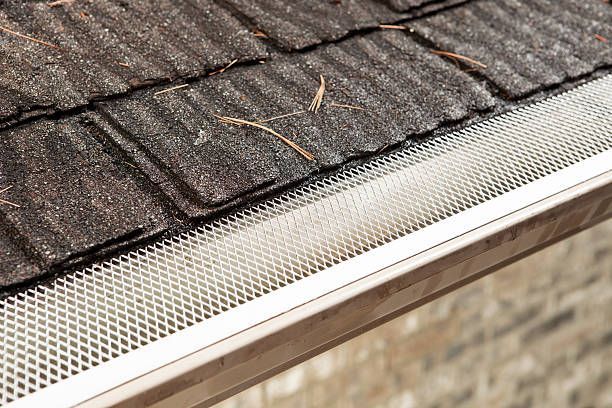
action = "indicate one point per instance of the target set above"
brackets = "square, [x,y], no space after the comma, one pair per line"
[454,56]
[58,3]
[222,70]
[27,37]
[240,122]
[9,203]
[600,38]
[316,102]
[280,117]
[5,201]
[339,105]
[170,89]
[392,27]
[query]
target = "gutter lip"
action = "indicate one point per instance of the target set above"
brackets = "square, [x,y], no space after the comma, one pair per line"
[132,378]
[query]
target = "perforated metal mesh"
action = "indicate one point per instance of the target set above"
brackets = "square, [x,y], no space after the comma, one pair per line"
[92,316]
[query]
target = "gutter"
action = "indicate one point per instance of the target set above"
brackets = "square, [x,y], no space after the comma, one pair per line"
[193,320]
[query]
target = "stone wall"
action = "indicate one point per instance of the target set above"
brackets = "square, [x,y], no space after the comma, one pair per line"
[537,333]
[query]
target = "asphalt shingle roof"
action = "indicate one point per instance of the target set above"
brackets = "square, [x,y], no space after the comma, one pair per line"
[295,25]
[405,90]
[157,40]
[100,161]
[526,45]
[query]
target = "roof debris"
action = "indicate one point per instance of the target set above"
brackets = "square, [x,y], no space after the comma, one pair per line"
[392,27]
[27,37]
[316,102]
[601,38]
[260,34]
[123,64]
[339,105]
[454,56]
[170,89]
[222,70]
[5,201]
[233,121]
[280,117]
[58,3]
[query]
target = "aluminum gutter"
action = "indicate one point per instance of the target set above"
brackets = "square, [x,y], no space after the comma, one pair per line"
[192,320]
[327,310]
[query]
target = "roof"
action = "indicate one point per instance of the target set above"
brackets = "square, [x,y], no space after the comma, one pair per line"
[98,159]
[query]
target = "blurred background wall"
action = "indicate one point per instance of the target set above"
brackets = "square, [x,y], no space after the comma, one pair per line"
[537,333]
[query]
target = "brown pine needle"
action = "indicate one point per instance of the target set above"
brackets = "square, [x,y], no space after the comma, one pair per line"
[452,55]
[260,34]
[9,203]
[5,201]
[392,27]
[316,102]
[123,64]
[59,3]
[339,105]
[280,117]
[222,70]
[240,122]
[174,88]
[27,37]
[601,38]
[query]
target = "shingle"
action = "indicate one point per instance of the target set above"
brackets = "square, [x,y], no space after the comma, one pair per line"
[526,45]
[405,90]
[300,24]
[158,40]
[74,195]
[16,265]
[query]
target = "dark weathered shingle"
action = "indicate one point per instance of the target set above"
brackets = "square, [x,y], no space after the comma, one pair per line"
[156,39]
[300,24]
[73,194]
[16,265]
[403,88]
[526,45]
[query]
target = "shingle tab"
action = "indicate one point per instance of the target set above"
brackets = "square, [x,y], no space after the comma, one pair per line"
[300,24]
[156,40]
[526,45]
[73,194]
[16,265]
[403,89]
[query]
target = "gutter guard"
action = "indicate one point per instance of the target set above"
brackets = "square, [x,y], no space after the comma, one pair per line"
[194,319]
